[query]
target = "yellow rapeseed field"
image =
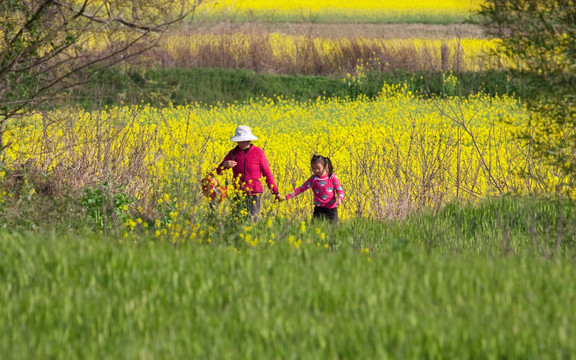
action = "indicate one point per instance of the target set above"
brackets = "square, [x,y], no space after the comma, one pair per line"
[351,4]
[355,10]
[394,155]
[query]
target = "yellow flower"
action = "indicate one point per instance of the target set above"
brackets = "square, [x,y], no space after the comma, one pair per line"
[131,224]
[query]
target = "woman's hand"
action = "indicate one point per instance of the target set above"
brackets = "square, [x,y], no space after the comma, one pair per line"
[338,201]
[229,164]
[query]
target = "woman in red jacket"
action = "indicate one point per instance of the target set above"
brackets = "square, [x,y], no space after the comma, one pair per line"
[248,163]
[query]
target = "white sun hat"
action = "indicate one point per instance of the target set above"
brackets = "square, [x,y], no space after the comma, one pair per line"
[243,133]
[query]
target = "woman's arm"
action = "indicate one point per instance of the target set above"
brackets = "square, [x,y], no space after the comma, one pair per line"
[267,173]
[226,163]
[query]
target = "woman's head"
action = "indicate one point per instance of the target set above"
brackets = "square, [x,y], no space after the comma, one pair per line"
[321,165]
[243,134]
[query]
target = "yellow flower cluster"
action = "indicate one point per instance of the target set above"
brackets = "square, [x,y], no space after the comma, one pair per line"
[350,9]
[352,4]
[393,155]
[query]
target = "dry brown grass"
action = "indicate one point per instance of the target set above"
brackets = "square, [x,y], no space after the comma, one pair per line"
[333,31]
[256,47]
[321,49]
[76,151]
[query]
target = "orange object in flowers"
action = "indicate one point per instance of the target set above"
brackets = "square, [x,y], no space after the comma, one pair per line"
[212,189]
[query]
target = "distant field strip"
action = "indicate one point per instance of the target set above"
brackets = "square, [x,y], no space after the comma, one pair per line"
[339,11]
[286,54]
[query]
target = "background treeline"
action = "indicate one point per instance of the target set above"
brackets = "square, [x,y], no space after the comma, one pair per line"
[181,86]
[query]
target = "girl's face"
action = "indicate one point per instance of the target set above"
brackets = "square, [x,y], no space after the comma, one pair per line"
[319,169]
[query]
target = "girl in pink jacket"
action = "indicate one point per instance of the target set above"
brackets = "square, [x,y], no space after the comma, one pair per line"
[328,193]
[249,164]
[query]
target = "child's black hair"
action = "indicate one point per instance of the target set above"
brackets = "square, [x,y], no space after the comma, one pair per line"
[325,161]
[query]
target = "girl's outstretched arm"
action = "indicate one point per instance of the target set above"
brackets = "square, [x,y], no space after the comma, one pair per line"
[300,189]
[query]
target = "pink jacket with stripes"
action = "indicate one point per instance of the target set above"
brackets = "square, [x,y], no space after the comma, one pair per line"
[325,190]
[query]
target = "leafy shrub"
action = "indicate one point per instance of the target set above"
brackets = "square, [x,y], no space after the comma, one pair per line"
[100,203]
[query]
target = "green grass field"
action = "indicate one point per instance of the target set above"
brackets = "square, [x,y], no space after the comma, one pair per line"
[181,86]
[491,279]
[482,282]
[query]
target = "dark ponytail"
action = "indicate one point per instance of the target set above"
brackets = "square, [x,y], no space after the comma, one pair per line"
[330,166]
[325,161]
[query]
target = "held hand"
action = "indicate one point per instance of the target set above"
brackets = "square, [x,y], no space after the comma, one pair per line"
[338,201]
[229,164]
[280,197]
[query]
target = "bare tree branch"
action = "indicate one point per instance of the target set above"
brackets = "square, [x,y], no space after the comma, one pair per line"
[47,46]
[133,25]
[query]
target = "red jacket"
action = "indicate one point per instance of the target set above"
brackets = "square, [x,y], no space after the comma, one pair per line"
[250,168]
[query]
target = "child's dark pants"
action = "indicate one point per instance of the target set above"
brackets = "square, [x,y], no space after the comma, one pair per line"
[322,213]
